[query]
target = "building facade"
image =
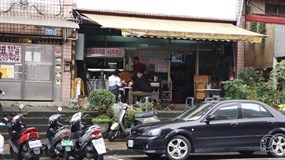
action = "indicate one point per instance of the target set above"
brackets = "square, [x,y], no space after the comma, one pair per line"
[36,41]
[211,45]
[266,17]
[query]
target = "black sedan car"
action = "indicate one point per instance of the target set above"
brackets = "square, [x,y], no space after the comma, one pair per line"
[215,126]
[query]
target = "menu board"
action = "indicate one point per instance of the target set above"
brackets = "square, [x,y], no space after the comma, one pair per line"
[155,60]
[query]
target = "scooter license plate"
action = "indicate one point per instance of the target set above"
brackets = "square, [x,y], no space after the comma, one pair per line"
[66,143]
[67,149]
[99,145]
[130,143]
[35,143]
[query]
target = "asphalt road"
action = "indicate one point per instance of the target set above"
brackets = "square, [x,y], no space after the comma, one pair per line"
[208,156]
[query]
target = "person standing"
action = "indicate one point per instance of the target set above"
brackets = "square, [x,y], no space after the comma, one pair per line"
[140,86]
[138,66]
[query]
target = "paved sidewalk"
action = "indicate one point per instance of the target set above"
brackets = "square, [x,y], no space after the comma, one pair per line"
[113,148]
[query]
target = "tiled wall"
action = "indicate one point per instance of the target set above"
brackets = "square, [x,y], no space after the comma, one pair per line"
[42,9]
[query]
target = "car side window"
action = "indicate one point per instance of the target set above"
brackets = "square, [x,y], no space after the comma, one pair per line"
[227,113]
[252,110]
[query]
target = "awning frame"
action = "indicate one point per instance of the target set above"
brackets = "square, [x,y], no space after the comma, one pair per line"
[178,29]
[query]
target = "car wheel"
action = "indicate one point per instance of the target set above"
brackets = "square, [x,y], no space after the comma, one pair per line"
[178,148]
[277,145]
[153,155]
[246,153]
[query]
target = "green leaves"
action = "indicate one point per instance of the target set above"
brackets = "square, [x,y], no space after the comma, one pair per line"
[252,85]
[102,100]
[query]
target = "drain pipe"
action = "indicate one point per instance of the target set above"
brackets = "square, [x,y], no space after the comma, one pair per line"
[240,13]
[236,67]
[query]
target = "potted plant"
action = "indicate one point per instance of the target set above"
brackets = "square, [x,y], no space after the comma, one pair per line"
[101,101]
[130,116]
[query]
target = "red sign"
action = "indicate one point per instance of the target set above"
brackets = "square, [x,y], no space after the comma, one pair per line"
[105,52]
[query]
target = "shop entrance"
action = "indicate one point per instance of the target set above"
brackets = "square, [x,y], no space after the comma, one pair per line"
[38,72]
[182,73]
[27,71]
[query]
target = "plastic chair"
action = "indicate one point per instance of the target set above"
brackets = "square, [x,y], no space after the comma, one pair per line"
[187,102]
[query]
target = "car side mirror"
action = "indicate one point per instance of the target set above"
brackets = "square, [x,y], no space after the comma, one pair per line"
[210,118]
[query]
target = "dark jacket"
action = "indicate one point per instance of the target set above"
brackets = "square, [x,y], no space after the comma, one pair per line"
[141,84]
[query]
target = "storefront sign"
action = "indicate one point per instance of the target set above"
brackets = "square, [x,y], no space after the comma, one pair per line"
[105,52]
[10,53]
[183,51]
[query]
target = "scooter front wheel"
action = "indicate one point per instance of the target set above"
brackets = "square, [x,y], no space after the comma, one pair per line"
[112,135]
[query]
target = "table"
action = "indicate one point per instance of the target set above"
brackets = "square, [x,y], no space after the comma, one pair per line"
[209,90]
[126,91]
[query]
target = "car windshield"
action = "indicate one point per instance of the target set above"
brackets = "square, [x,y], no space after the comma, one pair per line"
[195,112]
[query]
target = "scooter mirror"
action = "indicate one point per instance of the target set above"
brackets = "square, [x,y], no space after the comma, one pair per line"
[21,106]
[59,109]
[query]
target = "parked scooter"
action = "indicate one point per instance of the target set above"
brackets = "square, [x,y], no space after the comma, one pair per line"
[25,142]
[88,141]
[58,138]
[118,125]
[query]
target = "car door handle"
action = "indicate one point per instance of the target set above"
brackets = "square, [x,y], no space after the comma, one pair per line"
[234,124]
[270,122]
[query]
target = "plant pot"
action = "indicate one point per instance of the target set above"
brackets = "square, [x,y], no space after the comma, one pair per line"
[104,126]
[275,107]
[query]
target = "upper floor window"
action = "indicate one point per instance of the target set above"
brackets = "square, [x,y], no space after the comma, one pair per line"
[275,9]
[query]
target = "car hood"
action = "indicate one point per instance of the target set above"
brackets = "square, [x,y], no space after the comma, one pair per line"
[160,124]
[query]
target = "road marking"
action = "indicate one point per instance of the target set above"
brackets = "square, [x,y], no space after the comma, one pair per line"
[114,158]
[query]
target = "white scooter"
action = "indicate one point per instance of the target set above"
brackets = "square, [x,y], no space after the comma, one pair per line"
[118,125]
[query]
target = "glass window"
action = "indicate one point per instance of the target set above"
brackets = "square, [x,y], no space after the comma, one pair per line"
[251,110]
[227,113]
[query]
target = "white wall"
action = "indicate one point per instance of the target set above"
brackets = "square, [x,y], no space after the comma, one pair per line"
[204,9]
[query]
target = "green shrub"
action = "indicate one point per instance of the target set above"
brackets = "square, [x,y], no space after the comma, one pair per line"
[102,100]
[102,118]
[131,113]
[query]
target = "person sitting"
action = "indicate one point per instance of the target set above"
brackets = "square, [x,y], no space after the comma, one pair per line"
[140,86]
[115,83]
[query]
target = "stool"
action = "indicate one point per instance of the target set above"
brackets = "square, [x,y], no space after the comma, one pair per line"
[208,99]
[191,99]
[147,103]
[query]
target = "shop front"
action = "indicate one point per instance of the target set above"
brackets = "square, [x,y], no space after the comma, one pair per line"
[28,71]
[178,52]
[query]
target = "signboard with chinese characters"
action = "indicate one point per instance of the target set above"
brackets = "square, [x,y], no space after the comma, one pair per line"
[105,52]
[10,53]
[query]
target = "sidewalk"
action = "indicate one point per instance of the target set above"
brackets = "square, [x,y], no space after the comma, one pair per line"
[113,148]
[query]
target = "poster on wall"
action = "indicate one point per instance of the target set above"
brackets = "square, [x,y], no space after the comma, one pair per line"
[155,60]
[10,53]
[8,71]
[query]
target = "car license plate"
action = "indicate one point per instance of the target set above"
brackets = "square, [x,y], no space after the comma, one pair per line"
[34,144]
[65,143]
[131,143]
[99,145]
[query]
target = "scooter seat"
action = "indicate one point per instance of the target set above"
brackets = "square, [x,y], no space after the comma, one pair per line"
[145,114]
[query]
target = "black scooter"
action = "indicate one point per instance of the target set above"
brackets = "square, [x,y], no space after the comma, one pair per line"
[89,142]
[58,138]
[25,141]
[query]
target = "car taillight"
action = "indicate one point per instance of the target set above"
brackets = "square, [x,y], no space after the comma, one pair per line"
[96,134]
